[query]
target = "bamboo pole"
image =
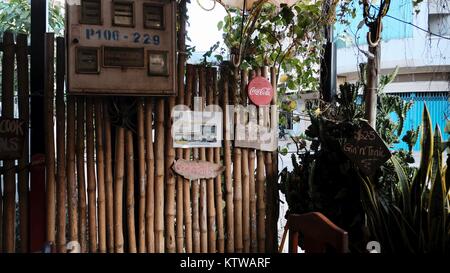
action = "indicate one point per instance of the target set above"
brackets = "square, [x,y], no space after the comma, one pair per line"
[142,179]
[170,182]
[211,209]
[190,71]
[100,176]
[9,234]
[195,186]
[202,151]
[260,195]
[180,100]
[72,192]
[23,92]
[159,181]
[92,187]
[49,143]
[60,147]
[245,172]
[129,158]
[252,187]
[150,188]
[227,159]
[237,173]
[118,189]
[108,181]
[218,179]
[81,174]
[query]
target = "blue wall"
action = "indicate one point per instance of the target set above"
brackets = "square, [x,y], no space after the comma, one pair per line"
[392,29]
[438,106]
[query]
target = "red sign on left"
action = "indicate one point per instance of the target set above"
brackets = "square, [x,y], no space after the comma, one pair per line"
[260,91]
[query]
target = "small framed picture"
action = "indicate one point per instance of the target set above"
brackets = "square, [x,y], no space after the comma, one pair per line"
[86,59]
[158,63]
[153,16]
[123,13]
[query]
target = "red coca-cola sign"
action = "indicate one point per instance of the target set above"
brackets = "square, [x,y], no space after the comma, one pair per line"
[260,91]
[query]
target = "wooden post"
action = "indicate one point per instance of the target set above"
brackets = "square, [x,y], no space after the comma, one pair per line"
[203,208]
[170,181]
[108,181]
[60,147]
[118,189]
[129,157]
[218,179]
[227,159]
[72,192]
[100,176]
[237,173]
[245,171]
[180,100]
[49,141]
[81,174]
[142,179]
[252,190]
[150,189]
[195,186]
[9,183]
[211,209]
[159,181]
[24,111]
[92,187]
[370,94]
[190,71]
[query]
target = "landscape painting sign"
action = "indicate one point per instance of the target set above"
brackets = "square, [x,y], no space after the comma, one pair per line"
[195,129]
[12,137]
[197,169]
[366,149]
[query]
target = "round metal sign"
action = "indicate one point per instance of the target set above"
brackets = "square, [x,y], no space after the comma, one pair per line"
[260,91]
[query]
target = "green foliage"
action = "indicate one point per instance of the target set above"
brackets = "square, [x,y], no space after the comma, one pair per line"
[417,219]
[15,16]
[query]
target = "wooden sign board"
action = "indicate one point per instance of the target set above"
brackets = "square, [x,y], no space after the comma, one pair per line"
[366,149]
[121,47]
[12,138]
[197,169]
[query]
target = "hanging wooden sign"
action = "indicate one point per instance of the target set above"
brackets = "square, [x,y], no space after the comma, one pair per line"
[12,138]
[197,169]
[366,149]
[260,91]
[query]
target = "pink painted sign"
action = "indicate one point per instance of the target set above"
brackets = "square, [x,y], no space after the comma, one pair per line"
[197,169]
[260,91]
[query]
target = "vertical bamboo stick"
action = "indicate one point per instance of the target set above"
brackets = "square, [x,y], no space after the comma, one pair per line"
[180,100]
[187,156]
[150,188]
[252,189]
[195,186]
[142,179]
[100,176]
[260,195]
[237,173]
[218,179]
[108,181]
[245,172]
[23,92]
[159,181]
[170,181]
[72,192]
[60,147]
[92,187]
[9,183]
[50,148]
[227,159]
[129,158]
[81,174]
[118,189]
[203,212]
[211,209]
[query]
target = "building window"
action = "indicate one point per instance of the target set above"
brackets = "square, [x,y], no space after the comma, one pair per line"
[123,14]
[91,12]
[153,16]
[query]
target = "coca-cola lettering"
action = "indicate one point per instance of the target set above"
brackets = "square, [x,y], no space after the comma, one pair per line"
[260,91]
